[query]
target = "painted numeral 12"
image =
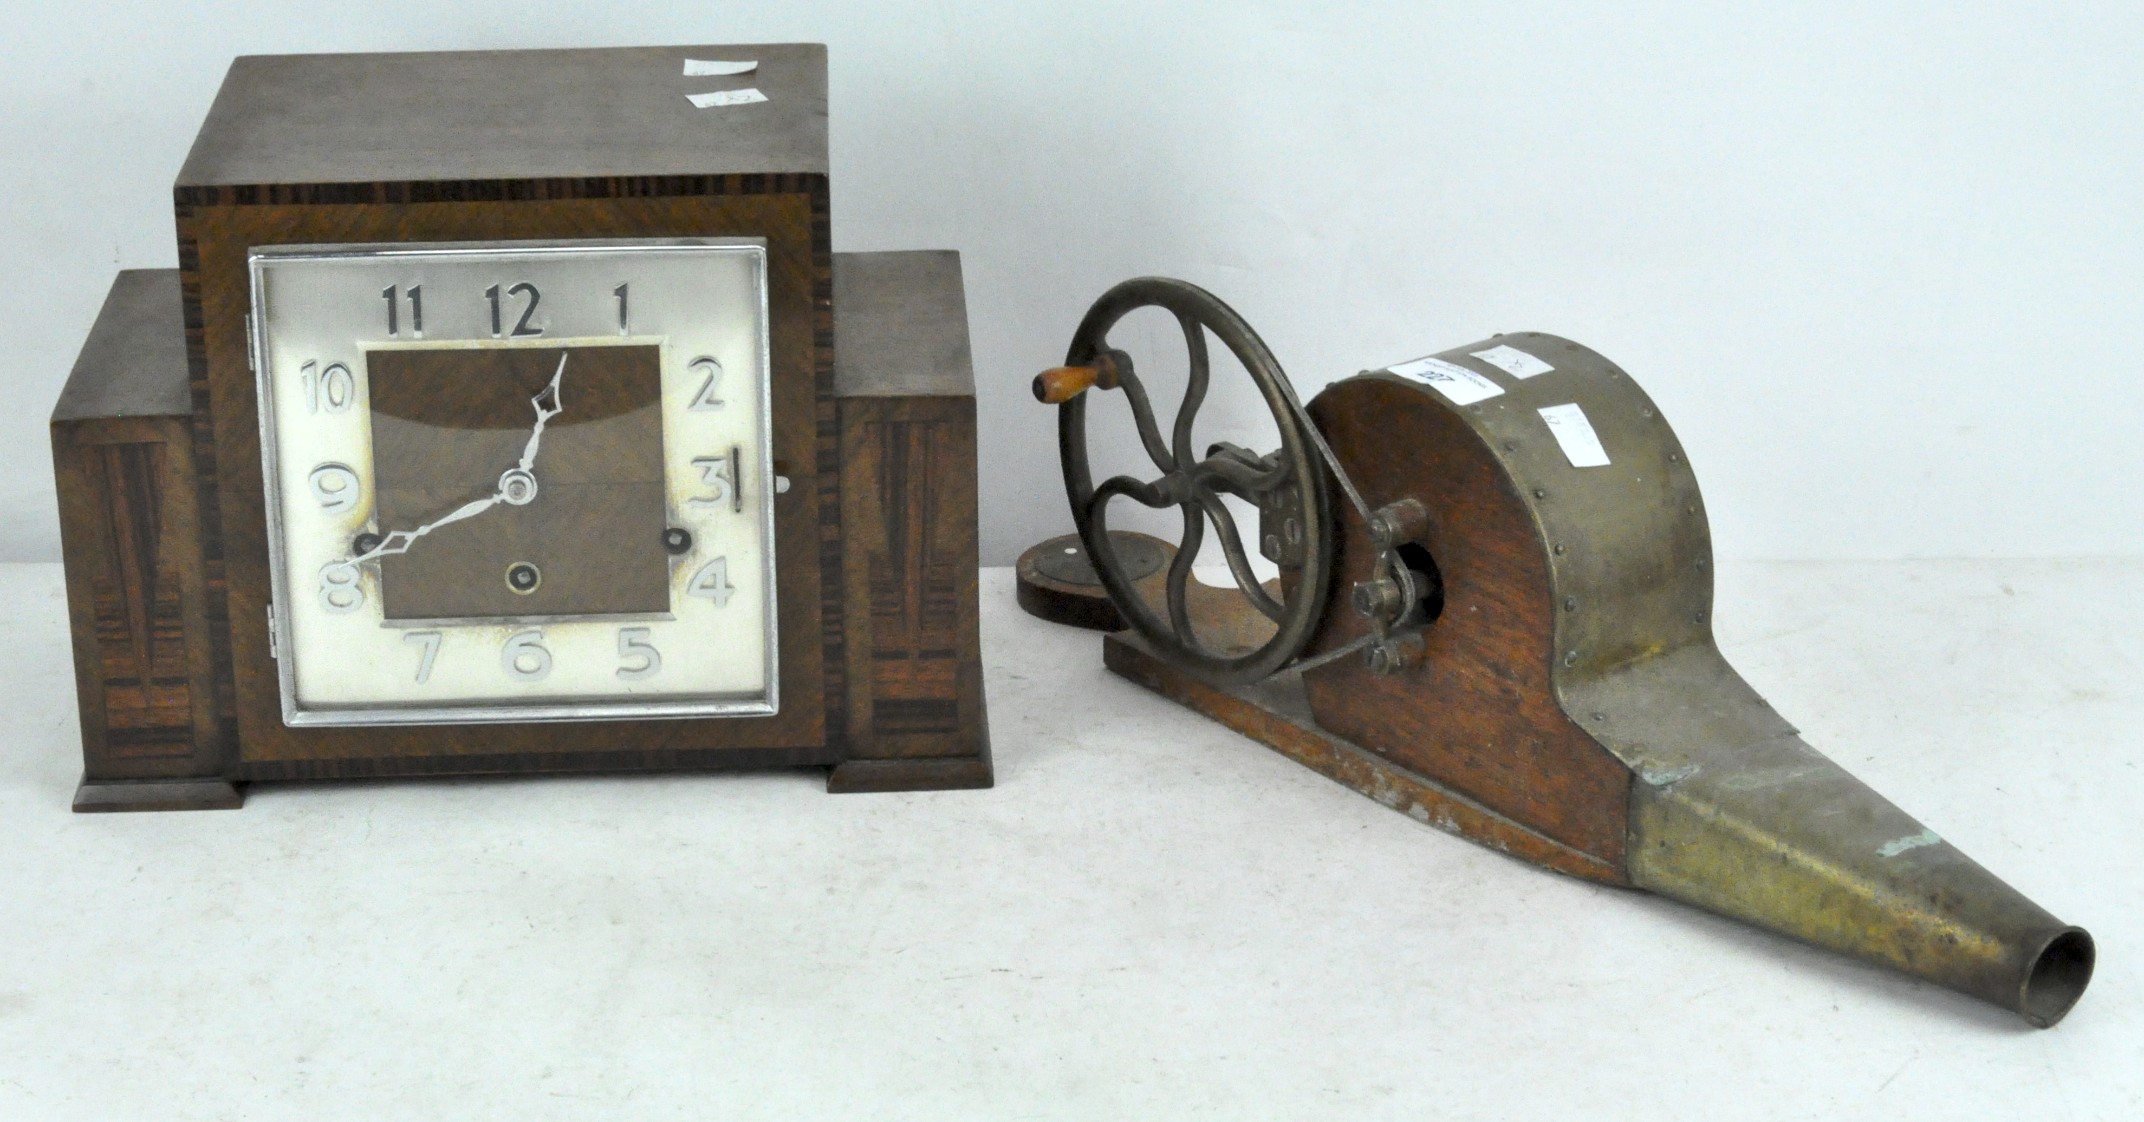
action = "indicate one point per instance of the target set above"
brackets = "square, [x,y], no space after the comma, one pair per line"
[521,326]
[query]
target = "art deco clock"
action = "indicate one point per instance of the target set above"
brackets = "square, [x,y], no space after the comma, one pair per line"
[528,423]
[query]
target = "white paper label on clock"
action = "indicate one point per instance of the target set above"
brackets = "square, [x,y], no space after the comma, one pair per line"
[1461,385]
[1513,361]
[726,97]
[708,68]
[1574,434]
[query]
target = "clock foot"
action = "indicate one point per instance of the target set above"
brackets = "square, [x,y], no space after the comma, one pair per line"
[942,773]
[158,794]
[924,773]
[954,759]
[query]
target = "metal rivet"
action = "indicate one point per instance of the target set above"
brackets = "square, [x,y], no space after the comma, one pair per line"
[1559,551]
[1570,658]
[1570,603]
[1387,658]
[676,540]
[1700,562]
[1674,457]
[1700,617]
[1600,716]
[1647,411]
[1511,446]
[522,578]
[1540,492]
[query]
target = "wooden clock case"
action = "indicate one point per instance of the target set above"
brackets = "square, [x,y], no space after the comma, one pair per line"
[156,439]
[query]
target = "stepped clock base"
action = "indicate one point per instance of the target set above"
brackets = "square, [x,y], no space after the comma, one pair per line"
[956,773]
[94,797]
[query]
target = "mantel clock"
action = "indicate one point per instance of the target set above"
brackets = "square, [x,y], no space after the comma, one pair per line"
[525,421]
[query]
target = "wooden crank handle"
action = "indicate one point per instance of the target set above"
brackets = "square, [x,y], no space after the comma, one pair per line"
[1060,384]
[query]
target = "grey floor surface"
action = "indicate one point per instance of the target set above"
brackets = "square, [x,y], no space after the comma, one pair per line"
[1149,917]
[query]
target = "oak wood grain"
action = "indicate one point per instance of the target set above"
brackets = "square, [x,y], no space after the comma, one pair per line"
[129,530]
[1478,714]
[491,121]
[916,715]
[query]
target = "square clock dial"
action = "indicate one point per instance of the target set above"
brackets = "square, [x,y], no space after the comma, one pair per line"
[514,483]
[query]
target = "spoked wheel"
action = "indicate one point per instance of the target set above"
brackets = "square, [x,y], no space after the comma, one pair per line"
[1288,485]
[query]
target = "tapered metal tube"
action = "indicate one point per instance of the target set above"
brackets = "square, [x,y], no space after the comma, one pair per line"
[1787,840]
[1731,811]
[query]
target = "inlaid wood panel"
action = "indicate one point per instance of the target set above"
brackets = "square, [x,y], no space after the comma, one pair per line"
[909,516]
[917,717]
[129,531]
[136,604]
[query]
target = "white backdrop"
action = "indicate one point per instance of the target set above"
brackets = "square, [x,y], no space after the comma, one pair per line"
[1882,265]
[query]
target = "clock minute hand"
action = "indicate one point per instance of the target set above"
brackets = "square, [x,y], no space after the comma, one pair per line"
[400,540]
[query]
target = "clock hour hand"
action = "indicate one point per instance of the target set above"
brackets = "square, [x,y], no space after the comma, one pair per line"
[516,487]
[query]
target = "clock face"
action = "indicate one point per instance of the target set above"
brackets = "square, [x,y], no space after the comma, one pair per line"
[518,482]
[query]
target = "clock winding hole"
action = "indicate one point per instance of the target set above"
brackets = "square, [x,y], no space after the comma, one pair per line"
[523,578]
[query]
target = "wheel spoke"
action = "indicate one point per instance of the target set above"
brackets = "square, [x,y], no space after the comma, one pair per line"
[1153,494]
[1237,472]
[1194,389]
[1187,551]
[1239,565]
[1143,417]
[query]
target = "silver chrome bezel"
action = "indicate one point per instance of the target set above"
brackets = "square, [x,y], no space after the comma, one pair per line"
[762,704]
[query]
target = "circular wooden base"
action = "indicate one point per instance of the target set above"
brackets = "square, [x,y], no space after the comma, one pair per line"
[1057,584]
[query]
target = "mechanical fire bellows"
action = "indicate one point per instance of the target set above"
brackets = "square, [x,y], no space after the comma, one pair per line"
[1493,614]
